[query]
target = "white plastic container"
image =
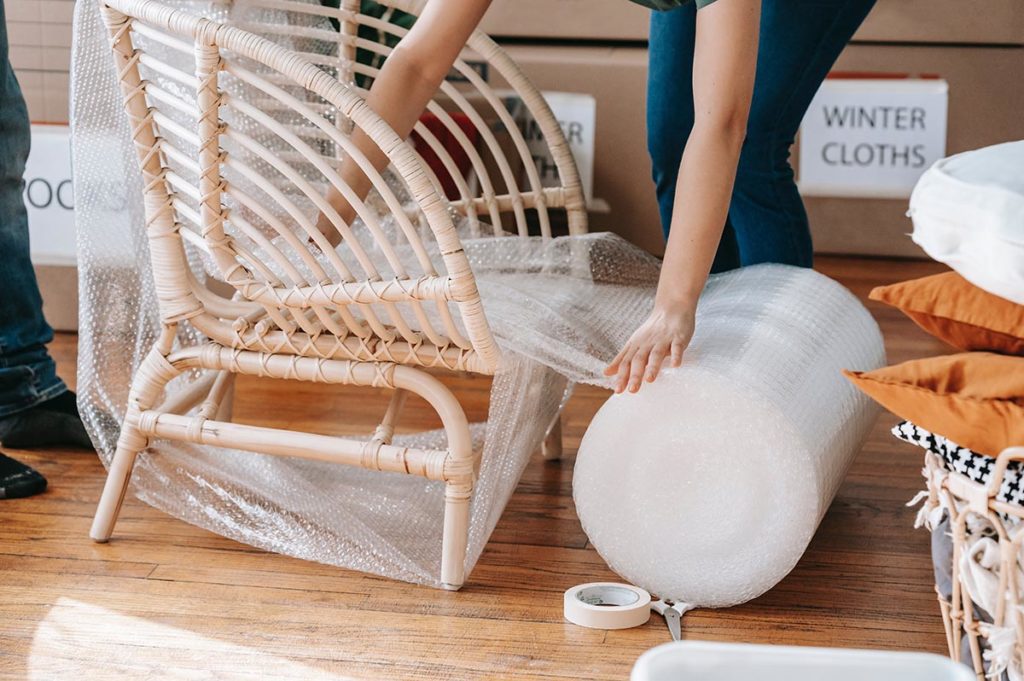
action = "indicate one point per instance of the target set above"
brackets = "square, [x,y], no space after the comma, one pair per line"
[699,660]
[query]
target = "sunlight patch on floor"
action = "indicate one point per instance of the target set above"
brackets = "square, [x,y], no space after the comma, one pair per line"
[91,642]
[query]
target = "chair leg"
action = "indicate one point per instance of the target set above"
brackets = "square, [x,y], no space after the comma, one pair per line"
[458,472]
[227,405]
[150,378]
[220,403]
[129,444]
[456,534]
[457,494]
[551,448]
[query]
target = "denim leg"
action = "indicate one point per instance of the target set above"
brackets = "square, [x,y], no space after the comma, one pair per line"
[800,41]
[670,115]
[27,373]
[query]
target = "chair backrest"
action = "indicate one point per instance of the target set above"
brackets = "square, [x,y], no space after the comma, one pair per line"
[486,132]
[239,139]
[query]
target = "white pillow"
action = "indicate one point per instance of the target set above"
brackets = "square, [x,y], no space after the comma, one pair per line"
[968,212]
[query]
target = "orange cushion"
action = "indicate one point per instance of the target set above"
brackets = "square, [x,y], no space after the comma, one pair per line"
[975,399]
[954,310]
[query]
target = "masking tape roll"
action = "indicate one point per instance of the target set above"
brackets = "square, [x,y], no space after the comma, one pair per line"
[607,605]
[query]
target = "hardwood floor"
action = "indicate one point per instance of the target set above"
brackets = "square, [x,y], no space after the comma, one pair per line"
[165,599]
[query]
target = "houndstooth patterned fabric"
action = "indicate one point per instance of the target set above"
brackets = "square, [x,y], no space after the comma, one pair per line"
[974,466]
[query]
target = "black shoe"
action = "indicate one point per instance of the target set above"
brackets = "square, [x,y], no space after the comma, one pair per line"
[53,423]
[18,480]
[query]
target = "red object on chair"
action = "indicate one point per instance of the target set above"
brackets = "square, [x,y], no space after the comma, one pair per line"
[451,144]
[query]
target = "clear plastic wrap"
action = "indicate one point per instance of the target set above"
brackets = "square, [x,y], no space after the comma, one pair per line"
[560,309]
[386,524]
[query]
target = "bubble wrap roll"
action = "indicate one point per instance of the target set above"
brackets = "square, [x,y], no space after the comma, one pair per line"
[707,485]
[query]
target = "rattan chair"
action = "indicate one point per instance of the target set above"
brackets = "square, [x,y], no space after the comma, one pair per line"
[300,310]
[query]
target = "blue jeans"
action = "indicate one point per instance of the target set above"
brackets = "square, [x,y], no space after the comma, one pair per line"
[28,374]
[800,40]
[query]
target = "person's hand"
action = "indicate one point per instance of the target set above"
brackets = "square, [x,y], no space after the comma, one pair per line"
[664,335]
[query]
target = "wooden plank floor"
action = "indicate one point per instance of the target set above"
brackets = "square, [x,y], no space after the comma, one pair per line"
[165,599]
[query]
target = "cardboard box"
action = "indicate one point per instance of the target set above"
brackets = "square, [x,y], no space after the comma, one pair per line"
[59,286]
[26,57]
[986,103]
[23,10]
[945,21]
[45,11]
[46,94]
[931,21]
[558,19]
[617,78]
[984,109]
[39,32]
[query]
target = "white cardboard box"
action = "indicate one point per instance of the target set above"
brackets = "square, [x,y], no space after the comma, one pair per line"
[864,138]
[49,201]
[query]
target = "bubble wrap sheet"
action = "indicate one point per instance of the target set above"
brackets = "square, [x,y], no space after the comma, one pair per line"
[560,310]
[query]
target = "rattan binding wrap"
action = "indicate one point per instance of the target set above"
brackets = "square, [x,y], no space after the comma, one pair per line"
[965,500]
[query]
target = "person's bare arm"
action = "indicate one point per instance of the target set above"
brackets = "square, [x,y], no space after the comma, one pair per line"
[725,60]
[409,79]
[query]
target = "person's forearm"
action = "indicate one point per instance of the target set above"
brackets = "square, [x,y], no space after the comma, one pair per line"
[408,80]
[724,64]
[725,57]
[703,192]
[400,95]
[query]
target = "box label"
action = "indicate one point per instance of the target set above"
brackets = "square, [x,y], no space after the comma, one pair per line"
[49,197]
[577,116]
[872,137]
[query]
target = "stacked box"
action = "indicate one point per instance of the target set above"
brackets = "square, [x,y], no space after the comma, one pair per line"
[599,47]
[617,77]
[949,22]
[39,32]
[900,21]
[979,50]
[604,20]
[986,98]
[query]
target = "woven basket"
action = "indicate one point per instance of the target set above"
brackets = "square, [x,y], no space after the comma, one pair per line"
[982,607]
